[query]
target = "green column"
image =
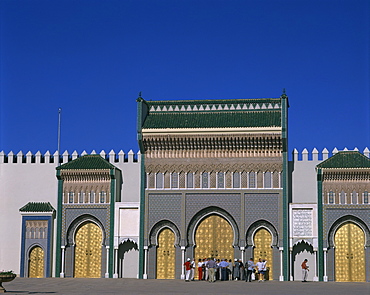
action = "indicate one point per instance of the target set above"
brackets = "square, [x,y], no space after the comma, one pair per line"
[284,126]
[59,226]
[320,253]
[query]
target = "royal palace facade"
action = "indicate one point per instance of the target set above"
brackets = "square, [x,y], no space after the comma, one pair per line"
[212,178]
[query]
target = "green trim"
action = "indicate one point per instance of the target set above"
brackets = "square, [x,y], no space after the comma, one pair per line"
[320,253]
[111,227]
[346,159]
[142,217]
[142,112]
[59,226]
[87,162]
[284,124]
[37,207]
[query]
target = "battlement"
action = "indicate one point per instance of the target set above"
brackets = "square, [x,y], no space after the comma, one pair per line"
[316,156]
[48,158]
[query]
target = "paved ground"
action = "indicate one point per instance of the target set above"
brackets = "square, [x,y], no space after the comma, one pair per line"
[133,286]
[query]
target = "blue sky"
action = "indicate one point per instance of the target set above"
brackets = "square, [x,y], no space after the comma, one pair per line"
[92,58]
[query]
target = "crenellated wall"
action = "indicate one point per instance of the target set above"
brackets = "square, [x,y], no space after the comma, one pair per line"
[304,184]
[32,178]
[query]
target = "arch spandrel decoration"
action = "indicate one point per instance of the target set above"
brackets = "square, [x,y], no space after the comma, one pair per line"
[77,223]
[154,232]
[194,222]
[348,218]
[261,224]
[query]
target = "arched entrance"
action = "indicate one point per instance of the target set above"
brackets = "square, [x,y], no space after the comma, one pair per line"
[88,251]
[262,249]
[349,253]
[214,238]
[166,254]
[36,263]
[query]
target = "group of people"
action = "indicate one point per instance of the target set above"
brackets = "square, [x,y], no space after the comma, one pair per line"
[210,269]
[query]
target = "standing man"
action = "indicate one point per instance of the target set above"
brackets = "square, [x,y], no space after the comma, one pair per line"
[305,270]
[187,265]
[250,266]
[211,266]
[192,264]
[200,269]
[224,267]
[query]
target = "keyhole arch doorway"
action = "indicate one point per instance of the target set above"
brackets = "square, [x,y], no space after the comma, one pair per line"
[214,237]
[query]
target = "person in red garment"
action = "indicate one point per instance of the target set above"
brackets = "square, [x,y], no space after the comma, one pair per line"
[305,270]
[187,265]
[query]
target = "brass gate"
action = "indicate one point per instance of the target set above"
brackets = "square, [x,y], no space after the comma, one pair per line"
[36,263]
[88,251]
[263,250]
[166,255]
[349,253]
[214,238]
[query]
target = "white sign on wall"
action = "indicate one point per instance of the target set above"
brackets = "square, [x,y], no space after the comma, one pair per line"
[302,222]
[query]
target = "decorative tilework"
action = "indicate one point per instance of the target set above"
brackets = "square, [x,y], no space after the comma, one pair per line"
[332,213]
[228,202]
[164,207]
[262,206]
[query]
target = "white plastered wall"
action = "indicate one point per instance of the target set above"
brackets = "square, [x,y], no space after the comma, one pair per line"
[21,183]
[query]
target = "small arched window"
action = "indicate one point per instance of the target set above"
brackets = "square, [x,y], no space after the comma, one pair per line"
[81,197]
[205,180]
[159,180]
[71,197]
[174,180]
[331,197]
[220,180]
[252,179]
[267,180]
[236,180]
[354,197]
[342,197]
[190,180]
[366,197]
[92,197]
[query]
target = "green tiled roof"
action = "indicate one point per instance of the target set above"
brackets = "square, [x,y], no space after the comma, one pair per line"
[87,162]
[270,118]
[346,159]
[37,207]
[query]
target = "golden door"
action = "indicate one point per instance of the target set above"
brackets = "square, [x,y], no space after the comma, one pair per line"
[349,254]
[214,239]
[36,263]
[166,255]
[263,250]
[88,251]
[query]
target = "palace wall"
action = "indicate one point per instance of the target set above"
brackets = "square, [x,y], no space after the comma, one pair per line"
[304,182]
[32,178]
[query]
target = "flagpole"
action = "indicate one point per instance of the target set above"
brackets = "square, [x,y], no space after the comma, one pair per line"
[59,126]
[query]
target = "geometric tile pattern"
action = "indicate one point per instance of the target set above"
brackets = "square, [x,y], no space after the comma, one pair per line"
[195,202]
[164,206]
[262,206]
